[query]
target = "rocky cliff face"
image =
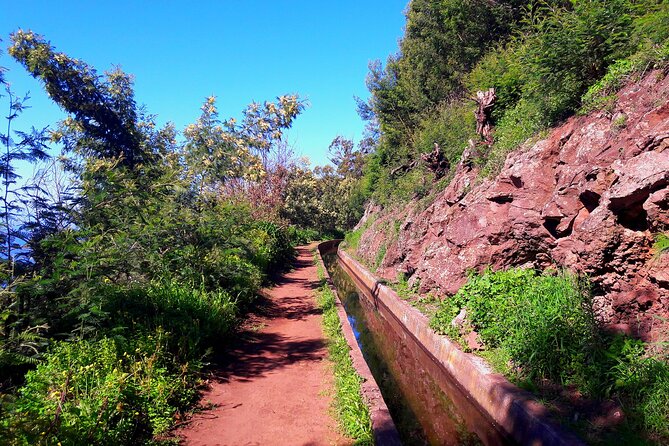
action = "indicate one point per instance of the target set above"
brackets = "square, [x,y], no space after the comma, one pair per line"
[589,197]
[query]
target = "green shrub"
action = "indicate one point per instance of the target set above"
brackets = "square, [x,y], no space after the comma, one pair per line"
[380,255]
[196,319]
[126,386]
[654,407]
[541,73]
[415,184]
[600,92]
[99,392]
[273,247]
[517,125]
[539,327]
[641,381]
[302,236]
[352,239]
[450,125]
[651,24]
[97,398]
[500,68]
[544,322]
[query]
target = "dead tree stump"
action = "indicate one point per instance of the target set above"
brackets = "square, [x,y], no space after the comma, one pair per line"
[485,101]
[436,162]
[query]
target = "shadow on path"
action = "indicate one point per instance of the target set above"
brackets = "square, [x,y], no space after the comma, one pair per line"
[261,353]
[252,352]
[269,384]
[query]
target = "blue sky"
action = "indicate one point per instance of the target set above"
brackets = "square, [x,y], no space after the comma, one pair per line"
[239,51]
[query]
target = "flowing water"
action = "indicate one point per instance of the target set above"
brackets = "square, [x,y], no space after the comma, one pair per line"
[424,401]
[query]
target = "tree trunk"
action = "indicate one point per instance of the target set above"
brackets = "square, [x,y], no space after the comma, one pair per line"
[485,101]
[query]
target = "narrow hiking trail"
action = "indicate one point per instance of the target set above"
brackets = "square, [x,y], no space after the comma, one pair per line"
[273,385]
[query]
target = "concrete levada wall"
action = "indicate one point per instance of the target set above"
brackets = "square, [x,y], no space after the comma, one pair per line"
[509,409]
[385,432]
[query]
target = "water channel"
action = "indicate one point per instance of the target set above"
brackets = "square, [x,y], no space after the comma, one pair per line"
[425,403]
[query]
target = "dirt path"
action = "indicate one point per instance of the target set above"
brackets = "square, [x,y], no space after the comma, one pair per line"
[273,386]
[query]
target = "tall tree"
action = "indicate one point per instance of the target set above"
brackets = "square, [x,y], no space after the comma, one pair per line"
[104,119]
[443,40]
[218,152]
[345,157]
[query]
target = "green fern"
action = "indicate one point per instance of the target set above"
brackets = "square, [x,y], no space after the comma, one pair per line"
[22,347]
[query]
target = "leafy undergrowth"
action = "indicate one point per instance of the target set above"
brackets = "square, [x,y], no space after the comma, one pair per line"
[427,304]
[129,363]
[352,412]
[125,386]
[541,332]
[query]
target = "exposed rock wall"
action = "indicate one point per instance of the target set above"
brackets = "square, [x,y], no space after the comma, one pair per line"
[589,197]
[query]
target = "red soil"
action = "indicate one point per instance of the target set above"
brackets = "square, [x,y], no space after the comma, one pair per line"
[274,386]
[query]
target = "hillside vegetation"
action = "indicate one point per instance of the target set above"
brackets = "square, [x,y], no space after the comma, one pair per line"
[546,59]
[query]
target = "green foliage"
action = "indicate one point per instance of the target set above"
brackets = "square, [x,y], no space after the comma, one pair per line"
[431,64]
[450,126]
[123,388]
[301,236]
[378,260]
[517,125]
[20,346]
[20,338]
[661,244]
[413,185]
[642,381]
[106,122]
[91,393]
[196,319]
[544,322]
[541,57]
[442,41]
[30,147]
[501,69]
[541,327]
[352,239]
[654,405]
[326,199]
[304,204]
[600,92]
[217,151]
[141,266]
[570,49]
[353,413]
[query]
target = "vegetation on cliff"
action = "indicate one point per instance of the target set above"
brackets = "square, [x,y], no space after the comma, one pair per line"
[541,328]
[545,59]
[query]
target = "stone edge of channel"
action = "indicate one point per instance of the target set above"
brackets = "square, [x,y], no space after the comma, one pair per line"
[512,409]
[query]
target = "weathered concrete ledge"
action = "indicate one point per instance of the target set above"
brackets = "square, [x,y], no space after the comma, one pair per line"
[512,410]
[385,432]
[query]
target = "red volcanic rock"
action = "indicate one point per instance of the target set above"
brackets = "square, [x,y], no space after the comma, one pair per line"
[657,210]
[589,197]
